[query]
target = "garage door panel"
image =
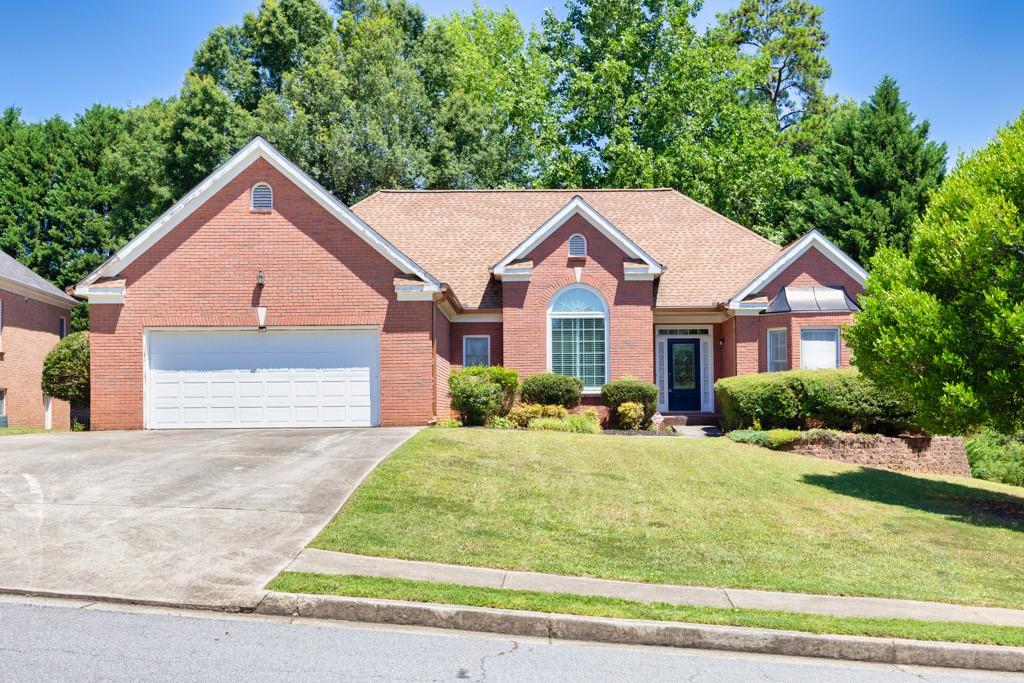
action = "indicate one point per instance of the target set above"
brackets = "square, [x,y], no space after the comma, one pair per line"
[250,379]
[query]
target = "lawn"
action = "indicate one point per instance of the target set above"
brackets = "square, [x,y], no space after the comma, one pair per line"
[587,605]
[11,431]
[690,511]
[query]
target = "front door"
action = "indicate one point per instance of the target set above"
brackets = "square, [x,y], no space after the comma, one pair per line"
[684,375]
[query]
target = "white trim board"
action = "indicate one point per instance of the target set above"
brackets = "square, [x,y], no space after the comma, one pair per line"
[815,240]
[228,171]
[577,206]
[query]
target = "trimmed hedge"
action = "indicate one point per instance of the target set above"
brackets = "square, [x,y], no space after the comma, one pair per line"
[585,422]
[775,438]
[629,390]
[549,388]
[66,369]
[843,400]
[482,393]
[522,413]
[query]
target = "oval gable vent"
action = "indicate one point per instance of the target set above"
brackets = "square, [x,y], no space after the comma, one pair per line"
[262,198]
[577,246]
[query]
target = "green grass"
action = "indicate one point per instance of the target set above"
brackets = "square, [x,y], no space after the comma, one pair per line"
[689,511]
[561,603]
[11,431]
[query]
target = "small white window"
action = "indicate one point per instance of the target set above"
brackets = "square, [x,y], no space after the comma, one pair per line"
[819,348]
[47,412]
[63,331]
[476,350]
[778,350]
[262,197]
[3,402]
[577,246]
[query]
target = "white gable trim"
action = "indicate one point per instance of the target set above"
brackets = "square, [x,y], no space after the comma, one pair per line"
[576,206]
[228,171]
[36,294]
[812,240]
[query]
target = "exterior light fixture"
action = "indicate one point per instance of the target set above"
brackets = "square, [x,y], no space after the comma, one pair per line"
[260,280]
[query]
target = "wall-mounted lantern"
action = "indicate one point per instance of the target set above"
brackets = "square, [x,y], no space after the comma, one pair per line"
[260,280]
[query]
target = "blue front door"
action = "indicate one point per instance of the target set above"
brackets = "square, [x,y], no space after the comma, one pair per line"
[684,374]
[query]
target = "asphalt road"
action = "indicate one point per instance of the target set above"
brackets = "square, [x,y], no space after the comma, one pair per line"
[65,641]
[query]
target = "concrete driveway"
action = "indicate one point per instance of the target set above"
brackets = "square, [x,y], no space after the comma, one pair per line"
[202,518]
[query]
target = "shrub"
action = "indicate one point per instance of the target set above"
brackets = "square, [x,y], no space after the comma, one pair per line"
[775,438]
[549,388]
[997,457]
[448,424]
[629,390]
[499,422]
[522,413]
[834,399]
[481,393]
[66,369]
[586,422]
[631,415]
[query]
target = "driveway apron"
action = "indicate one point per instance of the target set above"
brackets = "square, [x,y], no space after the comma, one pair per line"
[202,518]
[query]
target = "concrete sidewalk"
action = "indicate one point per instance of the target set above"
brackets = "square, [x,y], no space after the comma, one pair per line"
[327,562]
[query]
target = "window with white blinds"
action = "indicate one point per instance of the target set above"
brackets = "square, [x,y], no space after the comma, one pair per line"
[476,350]
[579,336]
[778,351]
[819,348]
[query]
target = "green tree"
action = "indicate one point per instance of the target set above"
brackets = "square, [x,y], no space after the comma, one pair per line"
[944,324]
[871,178]
[66,369]
[641,99]
[487,91]
[789,41]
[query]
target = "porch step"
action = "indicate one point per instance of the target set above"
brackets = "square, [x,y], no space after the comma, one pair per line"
[692,419]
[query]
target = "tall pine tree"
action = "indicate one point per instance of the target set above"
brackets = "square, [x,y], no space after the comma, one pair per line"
[871,178]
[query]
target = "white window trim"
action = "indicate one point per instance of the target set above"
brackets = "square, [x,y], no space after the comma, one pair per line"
[587,391]
[3,402]
[707,364]
[839,342]
[768,347]
[47,412]
[252,195]
[476,336]
[569,245]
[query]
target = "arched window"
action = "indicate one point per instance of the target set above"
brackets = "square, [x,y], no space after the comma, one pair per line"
[578,335]
[577,246]
[261,197]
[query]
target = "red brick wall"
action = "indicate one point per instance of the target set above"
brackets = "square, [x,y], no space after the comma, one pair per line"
[525,304]
[30,330]
[203,273]
[460,330]
[811,269]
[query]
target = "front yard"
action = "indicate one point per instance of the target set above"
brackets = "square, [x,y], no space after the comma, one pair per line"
[701,512]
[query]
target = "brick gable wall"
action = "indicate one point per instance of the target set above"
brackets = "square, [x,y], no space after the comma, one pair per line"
[30,329]
[203,274]
[750,331]
[630,303]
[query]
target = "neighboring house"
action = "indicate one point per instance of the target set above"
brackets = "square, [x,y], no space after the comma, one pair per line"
[34,315]
[260,300]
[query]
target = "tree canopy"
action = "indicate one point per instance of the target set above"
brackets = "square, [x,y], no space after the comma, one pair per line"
[944,323]
[871,176]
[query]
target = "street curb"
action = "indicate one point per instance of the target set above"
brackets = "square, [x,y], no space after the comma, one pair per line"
[637,632]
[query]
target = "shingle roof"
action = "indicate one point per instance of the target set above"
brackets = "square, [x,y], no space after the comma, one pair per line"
[457,235]
[11,269]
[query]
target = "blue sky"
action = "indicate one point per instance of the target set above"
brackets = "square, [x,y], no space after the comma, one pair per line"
[959,63]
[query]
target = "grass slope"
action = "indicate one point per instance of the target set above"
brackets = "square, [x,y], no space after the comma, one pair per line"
[688,511]
[561,603]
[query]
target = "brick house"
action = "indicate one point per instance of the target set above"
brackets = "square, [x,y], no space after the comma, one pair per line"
[260,300]
[34,315]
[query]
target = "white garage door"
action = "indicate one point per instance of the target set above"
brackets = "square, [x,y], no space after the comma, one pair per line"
[277,378]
